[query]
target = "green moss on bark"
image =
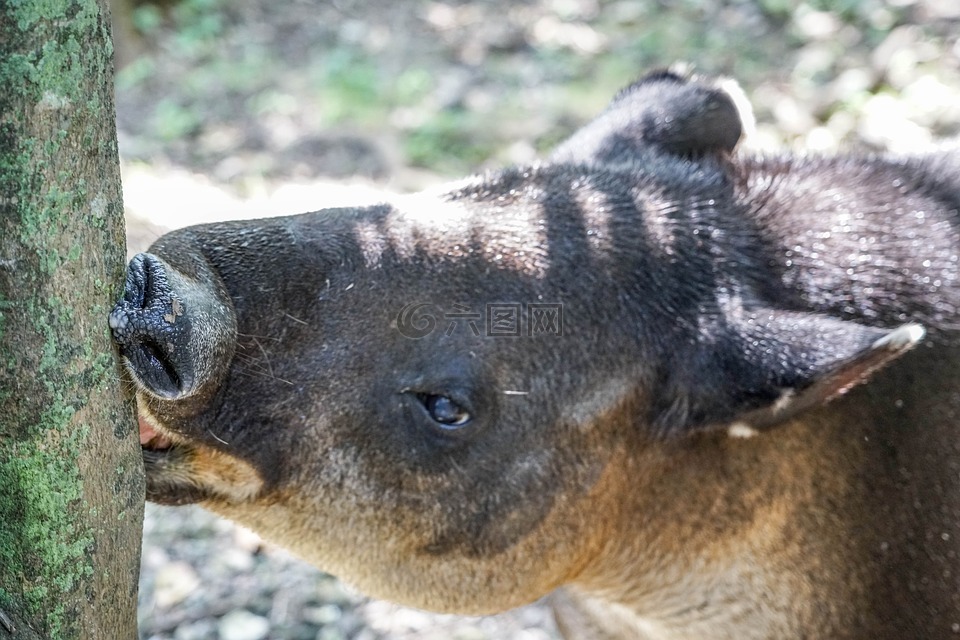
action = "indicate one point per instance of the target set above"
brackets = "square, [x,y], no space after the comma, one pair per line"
[48,547]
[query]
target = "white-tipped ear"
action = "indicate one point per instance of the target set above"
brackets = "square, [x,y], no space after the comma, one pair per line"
[748,121]
[845,375]
[770,365]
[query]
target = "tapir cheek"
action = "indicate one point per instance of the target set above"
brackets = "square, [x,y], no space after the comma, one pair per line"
[505,508]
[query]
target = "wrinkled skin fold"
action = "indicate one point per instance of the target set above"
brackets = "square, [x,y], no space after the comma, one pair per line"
[703,394]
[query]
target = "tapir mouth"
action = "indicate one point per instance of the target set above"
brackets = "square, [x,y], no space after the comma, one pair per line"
[168,463]
[182,471]
[151,439]
[168,460]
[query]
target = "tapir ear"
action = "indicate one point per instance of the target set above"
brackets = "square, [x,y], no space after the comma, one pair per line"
[663,112]
[764,367]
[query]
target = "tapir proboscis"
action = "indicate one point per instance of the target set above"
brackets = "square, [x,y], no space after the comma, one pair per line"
[690,391]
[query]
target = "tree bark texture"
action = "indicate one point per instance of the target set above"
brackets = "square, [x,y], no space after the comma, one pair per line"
[71,476]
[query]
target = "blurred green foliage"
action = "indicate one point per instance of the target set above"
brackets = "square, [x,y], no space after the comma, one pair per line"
[447,143]
[363,70]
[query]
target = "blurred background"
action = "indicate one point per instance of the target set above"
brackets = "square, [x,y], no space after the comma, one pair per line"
[247,108]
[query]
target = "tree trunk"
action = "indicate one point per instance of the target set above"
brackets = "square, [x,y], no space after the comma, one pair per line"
[71,477]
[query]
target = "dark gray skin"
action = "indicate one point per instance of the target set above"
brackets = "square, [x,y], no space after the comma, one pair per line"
[747,428]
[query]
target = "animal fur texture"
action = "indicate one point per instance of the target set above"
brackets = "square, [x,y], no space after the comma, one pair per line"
[692,392]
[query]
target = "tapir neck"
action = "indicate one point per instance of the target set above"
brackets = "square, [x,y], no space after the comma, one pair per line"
[809,529]
[718,512]
[878,244]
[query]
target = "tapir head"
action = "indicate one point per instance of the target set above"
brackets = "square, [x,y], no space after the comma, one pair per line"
[423,395]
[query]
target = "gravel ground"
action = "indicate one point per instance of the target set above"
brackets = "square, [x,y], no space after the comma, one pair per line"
[248,108]
[204,578]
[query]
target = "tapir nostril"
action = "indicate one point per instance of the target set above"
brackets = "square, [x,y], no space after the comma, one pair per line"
[159,369]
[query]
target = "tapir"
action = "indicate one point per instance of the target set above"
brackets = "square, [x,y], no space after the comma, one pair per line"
[689,391]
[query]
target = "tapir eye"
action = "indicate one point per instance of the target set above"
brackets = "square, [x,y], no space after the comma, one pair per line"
[445,410]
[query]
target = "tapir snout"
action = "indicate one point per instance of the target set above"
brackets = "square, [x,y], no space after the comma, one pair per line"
[176,331]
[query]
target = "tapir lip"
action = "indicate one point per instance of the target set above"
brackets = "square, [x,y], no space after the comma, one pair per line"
[183,470]
[165,455]
[153,437]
